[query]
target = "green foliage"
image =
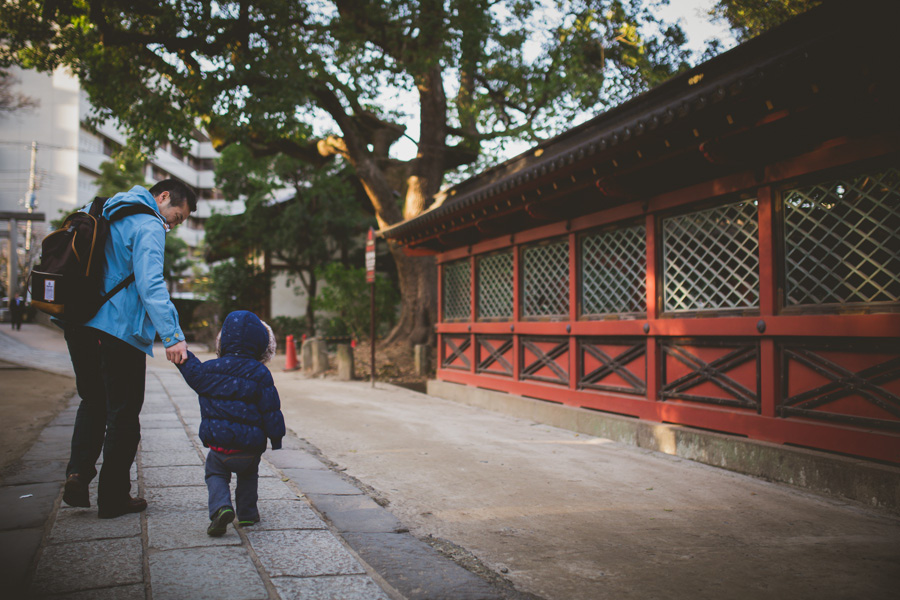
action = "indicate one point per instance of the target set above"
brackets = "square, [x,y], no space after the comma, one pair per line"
[299,234]
[238,285]
[123,172]
[520,68]
[284,326]
[749,18]
[347,296]
[175,258]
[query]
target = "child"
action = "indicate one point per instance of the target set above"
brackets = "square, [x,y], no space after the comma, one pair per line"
[240,409]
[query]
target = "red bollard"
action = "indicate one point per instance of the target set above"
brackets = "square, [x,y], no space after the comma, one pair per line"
[290,363]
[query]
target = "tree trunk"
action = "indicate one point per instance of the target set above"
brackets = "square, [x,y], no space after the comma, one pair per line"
[418,302]
[310,307]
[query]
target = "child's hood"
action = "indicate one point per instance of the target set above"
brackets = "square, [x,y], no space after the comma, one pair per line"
[243,334]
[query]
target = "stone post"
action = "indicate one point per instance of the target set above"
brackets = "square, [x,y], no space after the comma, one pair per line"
[345,370]
[306,356]
[319,356]
[422,359]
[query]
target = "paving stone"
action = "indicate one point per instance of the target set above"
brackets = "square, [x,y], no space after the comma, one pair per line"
[35,471]
[122,592]
[28,505]
[169,418]
[88,565]
[170,458]
[416,570]
[294,459]
[173,476]
[17,550]
[180,498]
[44,451]
[185,529]
[355,513]
[317,481]
[82,524]
[302,553]
[182,444]
[67,417]
[287,514]
[165,434]
[345,587]
[208,574]
[265,470]
[272,489]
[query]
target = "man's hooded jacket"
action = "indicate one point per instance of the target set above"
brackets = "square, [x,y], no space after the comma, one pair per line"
[238,400]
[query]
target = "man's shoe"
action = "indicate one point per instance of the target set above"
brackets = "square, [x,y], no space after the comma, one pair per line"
[248,522]
[75,492]
[132,505]
[220,521]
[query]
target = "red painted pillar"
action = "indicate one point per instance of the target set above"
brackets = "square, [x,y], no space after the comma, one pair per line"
[574,303]
[654,368]
[517,303]
[770,371]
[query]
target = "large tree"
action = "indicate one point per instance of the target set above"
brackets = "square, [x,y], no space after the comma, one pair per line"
[749,18]
[350,78]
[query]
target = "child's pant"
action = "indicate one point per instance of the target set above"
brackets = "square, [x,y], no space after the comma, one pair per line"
[219,467]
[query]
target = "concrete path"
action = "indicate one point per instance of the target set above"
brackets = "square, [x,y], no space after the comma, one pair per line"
[50,550]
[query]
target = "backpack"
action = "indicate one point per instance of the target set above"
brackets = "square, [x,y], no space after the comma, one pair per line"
[68,283]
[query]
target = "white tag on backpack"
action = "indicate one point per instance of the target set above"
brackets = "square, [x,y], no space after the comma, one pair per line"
[49,290]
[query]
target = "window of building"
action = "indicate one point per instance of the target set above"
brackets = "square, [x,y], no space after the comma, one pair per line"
[495,286]
[545,280]
[457,290]
[711,258]
[842,241]
[614,271]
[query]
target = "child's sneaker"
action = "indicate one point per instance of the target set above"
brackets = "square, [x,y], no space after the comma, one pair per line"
[248,522]
[220,521]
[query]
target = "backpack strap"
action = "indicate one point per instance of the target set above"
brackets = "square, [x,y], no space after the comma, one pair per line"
[97,206]
[133,209]
[127,211]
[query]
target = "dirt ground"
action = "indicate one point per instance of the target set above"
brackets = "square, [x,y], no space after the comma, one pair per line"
[30,399]
[393,364]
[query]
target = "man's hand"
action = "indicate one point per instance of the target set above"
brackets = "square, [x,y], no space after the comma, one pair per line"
[177,354]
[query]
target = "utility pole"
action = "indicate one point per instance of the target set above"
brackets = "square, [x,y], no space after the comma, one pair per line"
[30,198]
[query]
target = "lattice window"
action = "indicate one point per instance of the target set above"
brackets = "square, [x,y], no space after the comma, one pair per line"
[545,280]
[711,258]
[842,241]
[457,290]
[613,271]
[495,286]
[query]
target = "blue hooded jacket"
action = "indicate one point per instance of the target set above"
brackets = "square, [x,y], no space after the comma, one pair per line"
[137,244]
[239,404]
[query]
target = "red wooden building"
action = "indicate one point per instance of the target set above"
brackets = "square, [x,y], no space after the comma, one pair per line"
[722,252]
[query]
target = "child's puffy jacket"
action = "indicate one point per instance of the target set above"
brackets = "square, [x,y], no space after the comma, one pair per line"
[238,400]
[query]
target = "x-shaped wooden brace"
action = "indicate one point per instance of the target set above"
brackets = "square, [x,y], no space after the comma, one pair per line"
[610,365]
[495,355]
[456,352]
[713,372]
[844,382]
[546,360]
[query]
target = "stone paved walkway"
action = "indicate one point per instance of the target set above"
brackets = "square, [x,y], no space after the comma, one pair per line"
[341,546]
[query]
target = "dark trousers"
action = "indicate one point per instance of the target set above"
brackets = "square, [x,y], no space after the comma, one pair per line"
[219,467]
[109,375]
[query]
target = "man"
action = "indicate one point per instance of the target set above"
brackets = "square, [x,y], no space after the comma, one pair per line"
[109,351]
[17,312]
